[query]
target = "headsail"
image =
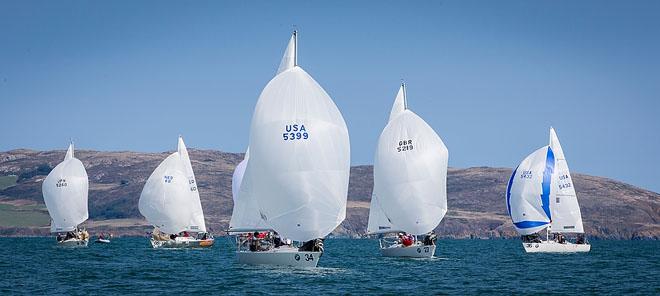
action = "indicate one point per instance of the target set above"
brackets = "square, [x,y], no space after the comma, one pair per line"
[245,215]
[410,172]
[165,198]
[65,191]
[566,216]
[299,157]
[528,192]
[197,223]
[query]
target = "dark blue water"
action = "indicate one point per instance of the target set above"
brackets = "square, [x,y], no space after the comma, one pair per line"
[131,266]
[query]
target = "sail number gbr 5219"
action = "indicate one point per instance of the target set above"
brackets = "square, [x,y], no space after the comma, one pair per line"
[405,145]
[293,132]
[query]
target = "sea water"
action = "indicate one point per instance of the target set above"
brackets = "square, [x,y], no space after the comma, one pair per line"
[131,266]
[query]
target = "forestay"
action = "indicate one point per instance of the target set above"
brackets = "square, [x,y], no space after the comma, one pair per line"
[65,192]
[528,192]
[410,172]
[299,155]
[566,216]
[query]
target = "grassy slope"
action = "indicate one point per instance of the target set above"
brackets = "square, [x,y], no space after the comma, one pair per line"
[7,181]
[23,216]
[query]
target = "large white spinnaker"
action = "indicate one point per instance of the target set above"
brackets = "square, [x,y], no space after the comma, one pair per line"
[197,223]
[529,192]
[566,216]
[166,200]
[245,216]
[65,192]
[410,172]
[299,155]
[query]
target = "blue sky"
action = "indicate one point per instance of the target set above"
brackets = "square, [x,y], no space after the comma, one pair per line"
[491,78]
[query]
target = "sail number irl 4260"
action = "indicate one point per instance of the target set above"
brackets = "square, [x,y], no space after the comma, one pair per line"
[293,132]
[405,145]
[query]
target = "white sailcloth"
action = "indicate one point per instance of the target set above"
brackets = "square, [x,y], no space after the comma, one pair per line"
[197,223]
[566,216]
[299,155]
[168,200]
[289,58]
[65,192]
[528,192]
[237,177]
[410,172]
[400,103]
[245,215]
[378,221]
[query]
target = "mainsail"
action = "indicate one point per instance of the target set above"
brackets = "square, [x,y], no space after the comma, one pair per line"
[168,200]
[299,155]
[378,221]
[197,223]
[65,192]
[566,216]
[410,174]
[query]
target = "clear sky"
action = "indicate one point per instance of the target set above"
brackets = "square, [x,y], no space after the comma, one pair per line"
[489,76]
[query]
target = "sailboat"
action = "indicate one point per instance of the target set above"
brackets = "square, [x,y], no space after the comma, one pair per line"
[170,202]
[410,184]
[540,195]
[65,192]
[295,182]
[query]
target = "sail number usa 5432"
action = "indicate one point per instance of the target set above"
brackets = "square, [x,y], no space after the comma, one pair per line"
[293,132]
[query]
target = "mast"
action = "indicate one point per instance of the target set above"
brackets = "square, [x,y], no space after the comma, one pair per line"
[405,99]
[295,48]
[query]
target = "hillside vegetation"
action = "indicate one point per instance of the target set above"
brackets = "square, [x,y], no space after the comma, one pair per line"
[611,209]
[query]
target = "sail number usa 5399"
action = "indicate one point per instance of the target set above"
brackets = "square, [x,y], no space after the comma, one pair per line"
[293,132]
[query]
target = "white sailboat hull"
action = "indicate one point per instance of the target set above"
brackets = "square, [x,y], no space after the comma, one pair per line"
[73,243]
[555,247]
[182,243]
[414,251]
[282,256]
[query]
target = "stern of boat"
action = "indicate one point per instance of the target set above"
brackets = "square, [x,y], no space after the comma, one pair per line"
[414,251]
[280,257]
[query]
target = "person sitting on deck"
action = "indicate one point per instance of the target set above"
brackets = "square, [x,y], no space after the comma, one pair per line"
[315,245]
[277,241]
[254,242]
[580,239]
[430,239]
[406,240]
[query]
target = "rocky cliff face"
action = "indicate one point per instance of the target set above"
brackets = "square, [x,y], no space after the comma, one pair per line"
[610,209]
